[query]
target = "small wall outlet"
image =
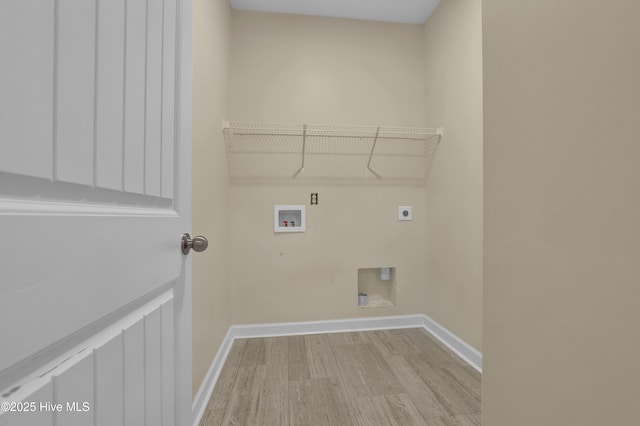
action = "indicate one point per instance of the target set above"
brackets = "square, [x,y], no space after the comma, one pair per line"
[314,198]
[405,213]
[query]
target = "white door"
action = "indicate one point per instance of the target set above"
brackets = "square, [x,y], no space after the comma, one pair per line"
[95,130]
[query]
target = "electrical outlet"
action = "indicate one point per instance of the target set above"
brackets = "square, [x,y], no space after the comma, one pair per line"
[405,213]
[314,198]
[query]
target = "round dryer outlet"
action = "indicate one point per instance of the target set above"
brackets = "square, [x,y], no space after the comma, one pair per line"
[405,213]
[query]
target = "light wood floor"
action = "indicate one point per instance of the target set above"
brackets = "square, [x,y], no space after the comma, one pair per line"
[387,377]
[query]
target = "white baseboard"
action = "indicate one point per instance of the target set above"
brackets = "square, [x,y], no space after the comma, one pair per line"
[472,356]
[453,342]
[331,326]
[206,388]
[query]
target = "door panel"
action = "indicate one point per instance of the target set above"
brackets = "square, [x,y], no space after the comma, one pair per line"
[110,94]
[123,364]
[153,129]
[136,35]
[168,97]
[74,80]
[100,95]
[153,368]
[73,390]
[79,282]
[134,375]
[109,382]
[168,366]
[26,119]
[95,101]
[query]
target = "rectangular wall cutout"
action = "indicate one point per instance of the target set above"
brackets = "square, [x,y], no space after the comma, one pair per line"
[380,292]
[289,218]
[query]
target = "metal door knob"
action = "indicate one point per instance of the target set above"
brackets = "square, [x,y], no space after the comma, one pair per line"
[198,243]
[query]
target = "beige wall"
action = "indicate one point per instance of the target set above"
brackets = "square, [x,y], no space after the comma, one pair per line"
[288,68]
[292,68]
[211,286]
[453,99]
[314,275]
[562,240]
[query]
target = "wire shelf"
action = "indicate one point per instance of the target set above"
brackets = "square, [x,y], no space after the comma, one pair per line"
[267,151]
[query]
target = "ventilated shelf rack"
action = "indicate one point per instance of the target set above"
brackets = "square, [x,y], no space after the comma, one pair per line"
[265,151]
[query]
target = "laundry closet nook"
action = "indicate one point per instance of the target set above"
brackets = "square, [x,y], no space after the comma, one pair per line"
[337,170]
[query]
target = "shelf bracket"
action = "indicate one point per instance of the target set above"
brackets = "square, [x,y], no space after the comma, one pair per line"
[373,147]
[440,133]
[304,148]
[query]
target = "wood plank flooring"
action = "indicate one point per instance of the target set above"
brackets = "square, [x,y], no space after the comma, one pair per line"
[386,377]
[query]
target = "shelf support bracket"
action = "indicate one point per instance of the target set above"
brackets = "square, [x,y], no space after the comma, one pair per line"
[373,147]
[304,148]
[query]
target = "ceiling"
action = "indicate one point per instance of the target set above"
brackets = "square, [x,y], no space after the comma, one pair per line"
[405,11]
